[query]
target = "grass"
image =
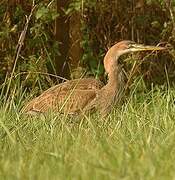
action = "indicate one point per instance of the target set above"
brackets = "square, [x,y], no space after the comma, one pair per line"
[136,141]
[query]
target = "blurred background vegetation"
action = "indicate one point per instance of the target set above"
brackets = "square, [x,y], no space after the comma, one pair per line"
[69,38]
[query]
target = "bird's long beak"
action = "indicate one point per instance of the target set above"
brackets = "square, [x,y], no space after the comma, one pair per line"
[141,47]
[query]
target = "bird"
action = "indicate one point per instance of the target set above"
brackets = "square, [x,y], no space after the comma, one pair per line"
[84,95]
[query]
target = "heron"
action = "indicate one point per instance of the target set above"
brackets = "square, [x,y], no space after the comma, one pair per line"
[87,94]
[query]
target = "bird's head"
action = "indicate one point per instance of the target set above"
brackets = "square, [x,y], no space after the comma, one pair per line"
[125,47]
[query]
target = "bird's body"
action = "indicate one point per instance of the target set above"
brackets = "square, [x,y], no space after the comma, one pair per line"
[82,95]
[68,97]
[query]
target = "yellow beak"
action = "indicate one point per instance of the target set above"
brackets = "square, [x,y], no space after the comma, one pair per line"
[140,47]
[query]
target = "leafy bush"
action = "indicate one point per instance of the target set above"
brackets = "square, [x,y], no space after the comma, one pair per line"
[103,24]
[39,45]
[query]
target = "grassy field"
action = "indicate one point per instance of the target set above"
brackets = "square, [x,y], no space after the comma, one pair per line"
[136,141]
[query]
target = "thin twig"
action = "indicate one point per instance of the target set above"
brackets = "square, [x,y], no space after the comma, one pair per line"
[50,3]
[42,73]
[19,46]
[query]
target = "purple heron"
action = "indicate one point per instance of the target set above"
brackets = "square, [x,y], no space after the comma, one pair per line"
[82,95]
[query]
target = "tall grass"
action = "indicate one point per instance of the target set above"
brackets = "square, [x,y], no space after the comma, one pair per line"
[136,141]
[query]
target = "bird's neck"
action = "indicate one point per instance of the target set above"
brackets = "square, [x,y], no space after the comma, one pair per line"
[114,87]
[113,79]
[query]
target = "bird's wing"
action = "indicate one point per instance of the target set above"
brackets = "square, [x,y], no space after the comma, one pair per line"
[81,84]
[69,97]
[62,101]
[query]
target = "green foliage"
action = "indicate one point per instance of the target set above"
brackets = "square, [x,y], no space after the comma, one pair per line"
[39,44]
[80,6]
[94,62]
[103,24]
[149,23]
[136,141]
[45,15]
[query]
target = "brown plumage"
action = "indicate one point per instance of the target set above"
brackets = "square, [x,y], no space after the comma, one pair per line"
[68,97]
[81,95]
